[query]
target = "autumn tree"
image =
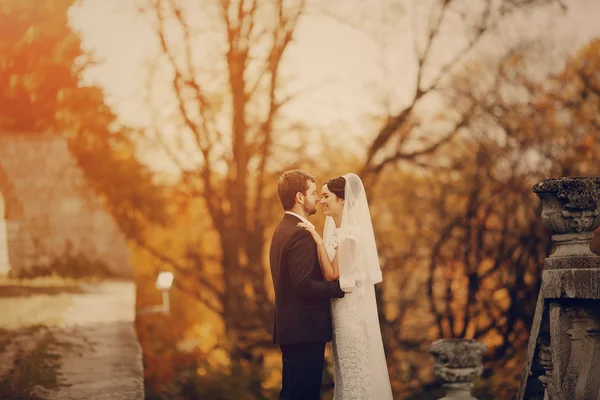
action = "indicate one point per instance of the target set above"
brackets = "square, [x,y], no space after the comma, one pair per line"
[41,91]
[404,135]
[473,245]
[408,136]
[223,60]
[568,114]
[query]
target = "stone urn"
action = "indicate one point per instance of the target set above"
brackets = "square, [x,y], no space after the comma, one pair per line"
[458,363]
[571,212]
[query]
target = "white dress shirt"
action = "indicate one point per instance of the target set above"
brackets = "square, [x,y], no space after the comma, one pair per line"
[307,222]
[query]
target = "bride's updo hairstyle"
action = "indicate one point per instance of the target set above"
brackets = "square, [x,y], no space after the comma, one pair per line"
[336,186]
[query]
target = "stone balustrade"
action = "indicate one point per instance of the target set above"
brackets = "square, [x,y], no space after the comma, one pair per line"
[563,357]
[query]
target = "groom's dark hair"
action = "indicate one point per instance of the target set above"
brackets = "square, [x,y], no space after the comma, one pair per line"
[290,183]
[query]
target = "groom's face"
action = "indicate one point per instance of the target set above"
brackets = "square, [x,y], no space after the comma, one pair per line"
[310,199]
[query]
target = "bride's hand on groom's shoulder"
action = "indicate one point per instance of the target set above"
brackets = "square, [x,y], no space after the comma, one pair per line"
[309,228]
[312,231]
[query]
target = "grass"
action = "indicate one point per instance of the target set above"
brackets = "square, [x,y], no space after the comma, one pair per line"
[33,340]
[25,339]
[26,291]
[33,371]
[4,340]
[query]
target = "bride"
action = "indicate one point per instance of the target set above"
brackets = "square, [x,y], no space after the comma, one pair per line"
[348,252]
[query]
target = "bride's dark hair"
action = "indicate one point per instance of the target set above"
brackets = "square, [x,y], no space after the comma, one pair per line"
[337,186]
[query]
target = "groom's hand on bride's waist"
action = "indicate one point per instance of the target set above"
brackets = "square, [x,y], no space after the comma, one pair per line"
[340,292]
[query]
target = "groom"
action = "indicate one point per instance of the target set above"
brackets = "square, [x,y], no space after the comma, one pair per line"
[302,306]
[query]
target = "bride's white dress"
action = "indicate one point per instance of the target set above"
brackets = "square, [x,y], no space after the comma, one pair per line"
[360,369]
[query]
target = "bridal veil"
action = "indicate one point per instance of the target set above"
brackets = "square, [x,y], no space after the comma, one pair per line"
[360,270]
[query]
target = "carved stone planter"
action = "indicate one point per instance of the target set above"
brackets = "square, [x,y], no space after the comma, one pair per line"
[571,212]
[458,363]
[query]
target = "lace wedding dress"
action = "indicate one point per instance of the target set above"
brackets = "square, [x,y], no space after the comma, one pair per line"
[360,369]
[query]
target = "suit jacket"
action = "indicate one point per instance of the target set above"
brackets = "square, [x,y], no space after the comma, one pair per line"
[302,297]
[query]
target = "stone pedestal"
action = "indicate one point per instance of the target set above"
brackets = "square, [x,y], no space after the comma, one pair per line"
[458,363]
[563,357]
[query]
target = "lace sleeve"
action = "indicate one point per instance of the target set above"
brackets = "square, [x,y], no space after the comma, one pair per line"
[352,273]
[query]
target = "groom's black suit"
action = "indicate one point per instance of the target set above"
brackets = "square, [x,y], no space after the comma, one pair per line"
[302,309]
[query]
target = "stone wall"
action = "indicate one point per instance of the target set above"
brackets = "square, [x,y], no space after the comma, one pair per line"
[51,211]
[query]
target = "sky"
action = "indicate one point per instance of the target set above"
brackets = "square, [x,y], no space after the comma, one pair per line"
[124,43]
[349,73]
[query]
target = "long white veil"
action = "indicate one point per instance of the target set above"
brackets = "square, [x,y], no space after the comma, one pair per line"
[356,226]
[358,262]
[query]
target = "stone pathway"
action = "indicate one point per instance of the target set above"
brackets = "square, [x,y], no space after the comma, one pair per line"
[88,337]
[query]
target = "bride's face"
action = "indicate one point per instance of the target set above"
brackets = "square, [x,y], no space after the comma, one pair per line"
[332,205]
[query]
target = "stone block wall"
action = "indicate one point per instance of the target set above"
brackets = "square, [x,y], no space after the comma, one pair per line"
[58,212]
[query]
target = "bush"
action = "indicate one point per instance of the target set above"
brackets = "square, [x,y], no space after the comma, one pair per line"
[67,265]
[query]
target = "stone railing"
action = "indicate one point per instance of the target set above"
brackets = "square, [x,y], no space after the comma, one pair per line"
[563,355]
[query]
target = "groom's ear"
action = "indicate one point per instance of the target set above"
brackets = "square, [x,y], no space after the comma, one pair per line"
[299,197]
